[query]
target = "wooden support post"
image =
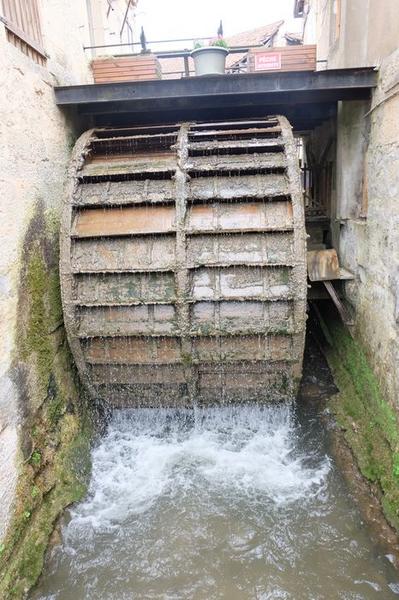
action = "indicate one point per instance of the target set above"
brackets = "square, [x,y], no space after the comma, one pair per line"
[343,311]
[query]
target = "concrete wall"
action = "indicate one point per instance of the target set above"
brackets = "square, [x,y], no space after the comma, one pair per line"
[35,147]
[369,243]
[365,217]
[368,32]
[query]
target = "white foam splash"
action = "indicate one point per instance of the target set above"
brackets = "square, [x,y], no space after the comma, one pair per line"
[242,451]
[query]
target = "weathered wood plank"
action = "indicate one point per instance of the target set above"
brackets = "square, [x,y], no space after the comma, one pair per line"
[235,249]
[288,58]
[241,283]
[250,317]
[132,350]
[132,220]
[268,216]
[158,319]
[144,253]
[125,288]
[236,162]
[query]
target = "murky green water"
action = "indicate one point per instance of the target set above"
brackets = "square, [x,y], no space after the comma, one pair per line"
[232,503]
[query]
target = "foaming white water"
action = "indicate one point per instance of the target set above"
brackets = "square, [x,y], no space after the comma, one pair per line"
[245,451]
[232,502]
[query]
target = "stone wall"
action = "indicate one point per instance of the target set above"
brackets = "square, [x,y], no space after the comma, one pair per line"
[36,140]
[368,216]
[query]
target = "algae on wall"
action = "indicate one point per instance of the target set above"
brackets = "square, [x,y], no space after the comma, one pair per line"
[369,423]
[55,426]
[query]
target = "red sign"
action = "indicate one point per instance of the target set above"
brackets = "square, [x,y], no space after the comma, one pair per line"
[267,61]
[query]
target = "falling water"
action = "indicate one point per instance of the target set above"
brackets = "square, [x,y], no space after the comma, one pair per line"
[228,502]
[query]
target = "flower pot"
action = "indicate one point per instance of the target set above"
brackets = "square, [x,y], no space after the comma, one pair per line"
[210,60]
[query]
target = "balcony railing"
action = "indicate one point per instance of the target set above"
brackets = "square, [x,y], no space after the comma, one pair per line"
[290,57]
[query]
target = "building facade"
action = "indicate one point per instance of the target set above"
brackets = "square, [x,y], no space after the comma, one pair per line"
[364,144]
[41,45]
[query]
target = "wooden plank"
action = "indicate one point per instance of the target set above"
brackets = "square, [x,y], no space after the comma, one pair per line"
[118,70]
[235,162]
[22,19]
[145,319]
[122,61]
[323,265]
[126,79]
[128,165]
[124,71]
[34,16]
[129,254]
[241,283]
[116,374]
[125,288]
[225,187]
[295,58]
[23,38]
[258,143]
[247,318]
[18,16]
[125,192]
[286,50]
[238,132]
[161,157]
[132,65]
[343,311]
[169,136]
[122,65]
[132,220]
[240,217]
[235,249]
[239,348]
[133,350]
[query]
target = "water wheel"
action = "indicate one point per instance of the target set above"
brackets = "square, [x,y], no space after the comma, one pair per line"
[183,262]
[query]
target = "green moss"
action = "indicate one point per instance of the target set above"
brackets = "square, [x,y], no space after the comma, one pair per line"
[36,458]
[56,432]
[36,343]
[370,424]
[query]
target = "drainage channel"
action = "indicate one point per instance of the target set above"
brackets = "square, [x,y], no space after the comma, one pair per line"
[236,502]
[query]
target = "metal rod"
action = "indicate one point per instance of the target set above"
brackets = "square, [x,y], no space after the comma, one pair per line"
[125,17]
[183,53]
[152,42]
[186,66]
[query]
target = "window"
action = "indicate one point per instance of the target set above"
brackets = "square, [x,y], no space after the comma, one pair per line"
[299,9]
[22,22]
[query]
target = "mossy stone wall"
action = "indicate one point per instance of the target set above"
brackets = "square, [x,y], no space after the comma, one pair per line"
[55,425]
[369,422]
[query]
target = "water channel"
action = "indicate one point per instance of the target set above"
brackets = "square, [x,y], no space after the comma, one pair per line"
[224,502]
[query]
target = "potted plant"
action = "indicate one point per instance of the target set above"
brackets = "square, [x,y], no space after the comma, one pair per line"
[210,60]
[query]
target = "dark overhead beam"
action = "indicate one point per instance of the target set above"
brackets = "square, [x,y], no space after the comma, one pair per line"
[218,85]
[300,116]
[224,101]
[300,95]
